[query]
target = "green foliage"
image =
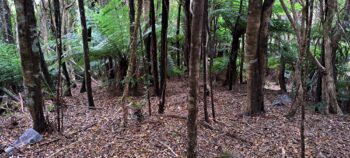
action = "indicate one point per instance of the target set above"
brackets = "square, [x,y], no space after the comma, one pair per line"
[220,64]
[113,23]
[343,82]
[173,70]
[10,72]
[278,26]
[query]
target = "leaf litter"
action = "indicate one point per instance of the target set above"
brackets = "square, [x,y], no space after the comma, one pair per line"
[98,133]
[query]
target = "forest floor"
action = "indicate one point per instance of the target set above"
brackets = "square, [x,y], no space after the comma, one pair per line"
[98,133]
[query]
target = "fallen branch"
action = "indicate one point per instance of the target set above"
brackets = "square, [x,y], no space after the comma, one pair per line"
[10,94]
[167,146]
[21,102]
[49,142]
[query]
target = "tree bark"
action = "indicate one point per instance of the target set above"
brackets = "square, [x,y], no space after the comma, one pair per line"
[30,57]
[6,24]
[178,55]
[188,22]
[163,54]
[205,33]
[281,78]
[132,61]
[86,53]
[232,67]
[242,61]
[330,89]
[254,87]
[154,49]
[111,76]
[198,11]
[44,69]
[263,37]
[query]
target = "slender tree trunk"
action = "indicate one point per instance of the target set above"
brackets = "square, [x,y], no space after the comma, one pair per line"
[242,62]
[43,67]
[111,76]
[154,49]
[163,54]
[254,87]
[6,24]
[147,41]
[188,22]
[67,90]
[281,78]
[132,61]
[178,55]
[196,40]
[232,67]
[44,25]
[86,53]
[211,54]
[57,14]
[30,57]
[263,37]
[320,77]
[205,32]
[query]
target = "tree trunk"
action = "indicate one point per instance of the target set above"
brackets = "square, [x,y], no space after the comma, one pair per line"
[67,90]
[154,49]
[263,37]
[242,62]
[205,32]
[196,40]
[44,26]
[63,27]
[111,76]
[320,77]
[330,89]
[30,57]
[281,78]
[163,54]
[232,67]
[178,55]
[254,87]
[188,22]
[43,67]
[86,53]
[132,61]
[6,24]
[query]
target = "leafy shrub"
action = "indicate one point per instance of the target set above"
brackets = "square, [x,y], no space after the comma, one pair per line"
[220,64]
[10,71]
